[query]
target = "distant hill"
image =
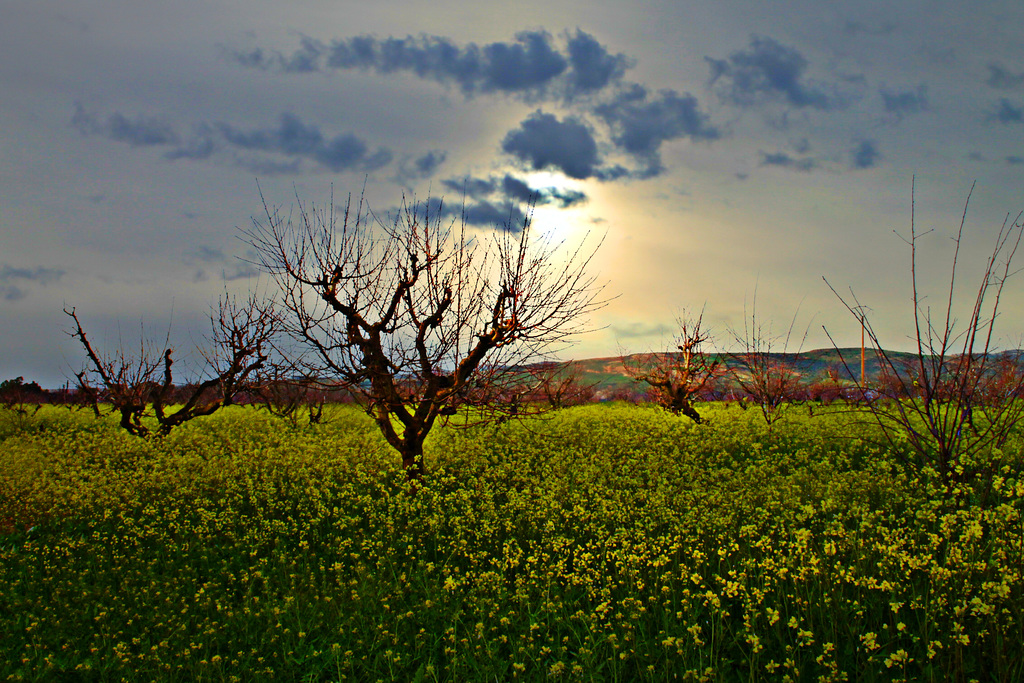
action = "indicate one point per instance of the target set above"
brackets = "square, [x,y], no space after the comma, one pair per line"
[609,373]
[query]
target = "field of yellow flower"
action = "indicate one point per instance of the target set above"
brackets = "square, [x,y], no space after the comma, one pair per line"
[604,543]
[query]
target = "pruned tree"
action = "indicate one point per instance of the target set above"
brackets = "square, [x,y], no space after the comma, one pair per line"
[141,385]
[957,398]
[415,311]
[677,379]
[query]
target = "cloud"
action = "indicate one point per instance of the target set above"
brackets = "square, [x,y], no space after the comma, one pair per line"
[639,330]
[199,146]
[474,188]
[12,280]
[767,71]
[290,138]
[419,168]
[544,142]
[528,64]
[783,160]
[486,214]
[641,123]
[306,59]
[1014,160]
[517,190]
[239,271]
[865,155]
[531,65]
[1007,113]
[592,67]
[482,213]
[428,163]
[902,102]
[137,132]
[485,197]
[204,254]
[1002,78]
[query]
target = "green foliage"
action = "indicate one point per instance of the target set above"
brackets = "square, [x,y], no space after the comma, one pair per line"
[605,542]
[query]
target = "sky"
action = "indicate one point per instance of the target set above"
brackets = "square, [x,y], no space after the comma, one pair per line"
[728,156]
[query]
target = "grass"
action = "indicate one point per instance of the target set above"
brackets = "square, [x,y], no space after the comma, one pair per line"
[606,543]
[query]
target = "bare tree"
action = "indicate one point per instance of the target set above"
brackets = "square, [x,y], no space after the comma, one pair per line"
[677,379]
[415,312]
[134,384]
[760,368]
[560,385]
[957,397]
[16,396]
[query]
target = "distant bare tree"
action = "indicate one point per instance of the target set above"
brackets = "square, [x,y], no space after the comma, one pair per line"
[759,367]
[134,384]
[415,312]
[561,385]
[677,379]
[957,398]
[16,396]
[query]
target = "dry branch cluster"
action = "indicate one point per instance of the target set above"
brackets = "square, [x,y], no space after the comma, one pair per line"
[134,384]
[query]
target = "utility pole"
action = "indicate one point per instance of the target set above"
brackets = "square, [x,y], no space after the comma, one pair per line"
[862,349]
[863,354]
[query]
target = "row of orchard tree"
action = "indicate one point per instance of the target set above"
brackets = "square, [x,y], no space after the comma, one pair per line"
[421,320]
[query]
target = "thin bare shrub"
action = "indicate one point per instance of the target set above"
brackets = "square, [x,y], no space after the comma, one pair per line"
[759,366]
[956,401]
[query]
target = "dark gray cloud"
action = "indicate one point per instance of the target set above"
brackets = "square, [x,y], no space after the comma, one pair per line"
[593,67]
[531,65]
[481,213]
[1007,112]
[427,164]
[291,138]
[13,280]
[137,132]
[1014,160]
[768,71]
[306,59]
[474,188]
[899,103]
[1002,78]
[543,142]
[640,123]
[783,160]
[509,189]
[498,201]
[865,154]
[419,168]
[516,189]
